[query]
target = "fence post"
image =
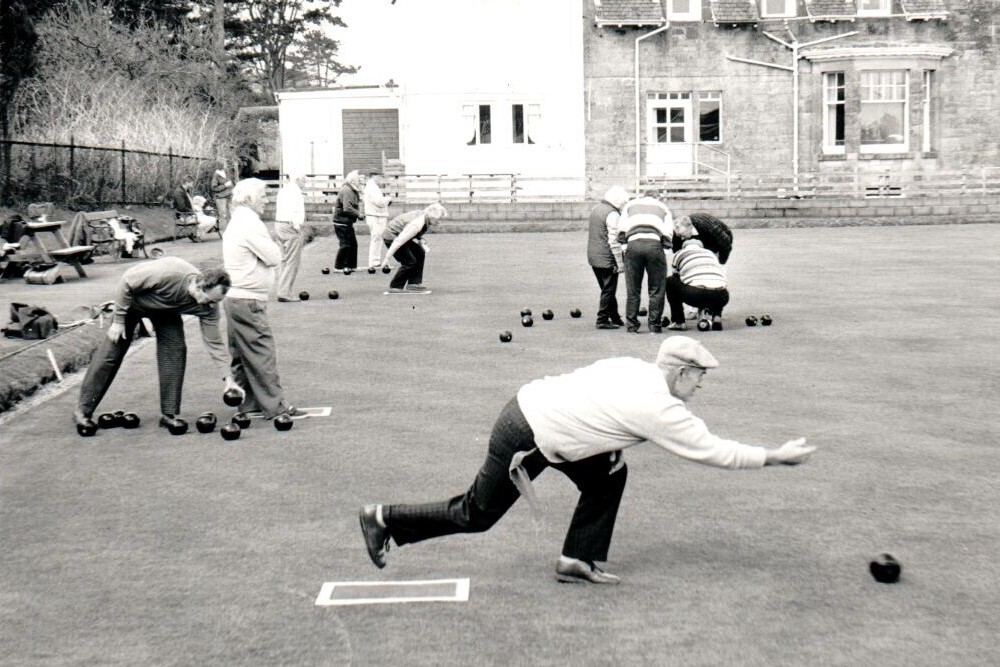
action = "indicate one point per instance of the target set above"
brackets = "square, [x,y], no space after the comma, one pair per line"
[123,172]
[72,167]
[170,165]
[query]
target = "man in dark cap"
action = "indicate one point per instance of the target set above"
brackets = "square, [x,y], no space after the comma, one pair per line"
[579,423]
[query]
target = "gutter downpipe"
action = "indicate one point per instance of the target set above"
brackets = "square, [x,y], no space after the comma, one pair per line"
[638,125]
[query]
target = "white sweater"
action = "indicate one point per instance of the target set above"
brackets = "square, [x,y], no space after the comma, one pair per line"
[250,256]
[618,403]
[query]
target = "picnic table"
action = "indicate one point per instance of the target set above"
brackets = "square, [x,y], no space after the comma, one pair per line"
[49,244]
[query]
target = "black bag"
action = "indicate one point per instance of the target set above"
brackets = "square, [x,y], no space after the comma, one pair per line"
[30,322]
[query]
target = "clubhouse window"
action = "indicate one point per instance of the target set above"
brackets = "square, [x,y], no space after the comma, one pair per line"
[524,120]
[884,111]
[883,120]
[777,8]
[478,119]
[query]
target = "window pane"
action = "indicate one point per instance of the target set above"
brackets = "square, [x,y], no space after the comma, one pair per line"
[661,115]
[517,121]
[708,117]
[677,135]
[661,135]
[883,107]
[676,115]
[484,124]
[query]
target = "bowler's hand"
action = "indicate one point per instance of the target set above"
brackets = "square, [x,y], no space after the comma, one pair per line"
[116,332]
[231,384]
[791,453]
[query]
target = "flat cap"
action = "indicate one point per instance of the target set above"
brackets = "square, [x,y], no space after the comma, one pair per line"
[684,351]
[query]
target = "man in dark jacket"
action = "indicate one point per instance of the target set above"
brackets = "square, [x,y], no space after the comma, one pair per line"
[713,233]
[346,212]
[604,254]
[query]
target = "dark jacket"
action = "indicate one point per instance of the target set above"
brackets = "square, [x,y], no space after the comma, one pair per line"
[182,200]
[347,210]
[599,253]
[713,233]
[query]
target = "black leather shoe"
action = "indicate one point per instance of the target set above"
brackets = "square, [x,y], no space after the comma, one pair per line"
[376,537]
[574,571]
[655,328]
[633,329]
[617,321]
[606,325]
[167,421]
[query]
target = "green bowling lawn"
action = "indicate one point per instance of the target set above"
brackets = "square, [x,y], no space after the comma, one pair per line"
[140,548]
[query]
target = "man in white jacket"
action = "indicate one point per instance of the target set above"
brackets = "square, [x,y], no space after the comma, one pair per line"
[579,423]
[251,256]
[289,217]
[376,208]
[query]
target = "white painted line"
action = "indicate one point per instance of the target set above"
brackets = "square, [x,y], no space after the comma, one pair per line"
[308,412]
[348,593]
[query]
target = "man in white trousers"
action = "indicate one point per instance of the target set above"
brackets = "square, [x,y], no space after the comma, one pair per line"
[289,216]
[376,207]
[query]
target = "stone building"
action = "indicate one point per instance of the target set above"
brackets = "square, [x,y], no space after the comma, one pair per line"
[791,90]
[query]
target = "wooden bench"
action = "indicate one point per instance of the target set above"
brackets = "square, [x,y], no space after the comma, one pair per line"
[103,237]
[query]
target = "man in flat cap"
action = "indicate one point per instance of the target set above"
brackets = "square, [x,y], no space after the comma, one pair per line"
[579,423]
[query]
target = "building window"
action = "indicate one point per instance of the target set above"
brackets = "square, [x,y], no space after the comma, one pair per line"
[669,118]
[772,8]
[874,7]
[883,119]
[926,145]
[709,114]
[683,10]
[524,119]
[477,118]
[833,112]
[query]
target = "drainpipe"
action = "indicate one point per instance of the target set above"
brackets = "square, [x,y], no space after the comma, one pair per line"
[638,125]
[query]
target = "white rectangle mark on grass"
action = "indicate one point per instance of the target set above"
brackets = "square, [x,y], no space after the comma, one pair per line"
[306,412]
[342,593]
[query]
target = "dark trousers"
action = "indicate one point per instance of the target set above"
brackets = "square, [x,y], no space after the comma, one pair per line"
[411,257]
[492,493]
[607,307]
[171,360]
[347,253]
[645,257]
[254,360]
[712,300]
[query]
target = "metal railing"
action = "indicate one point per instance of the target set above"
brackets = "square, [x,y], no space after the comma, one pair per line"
[97,175]
[855,184]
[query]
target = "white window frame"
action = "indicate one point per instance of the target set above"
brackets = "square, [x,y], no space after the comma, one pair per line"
[693,12]
[470,115]
[532,117]
[707,96]
[874,7]
[904,99]
[830,104]
[789,8]
[662,101]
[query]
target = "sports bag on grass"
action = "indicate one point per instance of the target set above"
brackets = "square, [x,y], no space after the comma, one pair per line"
[30,322]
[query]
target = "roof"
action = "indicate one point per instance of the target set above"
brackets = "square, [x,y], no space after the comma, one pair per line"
[734,11]
[622,13]
[831,10]
[924,9]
